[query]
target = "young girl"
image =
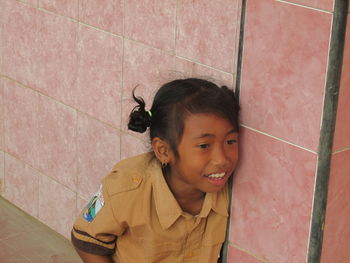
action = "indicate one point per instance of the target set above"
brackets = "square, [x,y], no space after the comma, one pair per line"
[169,205]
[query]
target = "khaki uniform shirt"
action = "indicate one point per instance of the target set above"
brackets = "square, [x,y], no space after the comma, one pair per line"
[137,219]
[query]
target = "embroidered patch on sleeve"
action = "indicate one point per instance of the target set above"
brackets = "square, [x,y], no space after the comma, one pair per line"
[94,206]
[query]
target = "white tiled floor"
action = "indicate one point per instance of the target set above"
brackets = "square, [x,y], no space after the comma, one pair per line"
[23,239]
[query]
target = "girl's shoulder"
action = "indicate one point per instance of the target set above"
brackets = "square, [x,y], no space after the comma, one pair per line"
[140,161]
[128,174]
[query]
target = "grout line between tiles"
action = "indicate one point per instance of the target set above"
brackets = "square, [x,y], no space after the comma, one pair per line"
[305,6]
[279,139]
[58,101]
[200,63]
[123,2]
[78,10]
[76,179]
[119,130]
[172,52]
[56,14]
[27,4]
[169,52]
[249,253]
[122,83]
[41,173]
[36,161]
[100,29]
[341,150]
[176,24]
[2,184]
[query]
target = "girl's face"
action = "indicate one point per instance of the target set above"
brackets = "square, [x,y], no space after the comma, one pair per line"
[208,154]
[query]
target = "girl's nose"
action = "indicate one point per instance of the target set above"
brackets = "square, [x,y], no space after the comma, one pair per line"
[220,157]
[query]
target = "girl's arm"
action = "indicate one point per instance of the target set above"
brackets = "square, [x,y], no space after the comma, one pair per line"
[91,258]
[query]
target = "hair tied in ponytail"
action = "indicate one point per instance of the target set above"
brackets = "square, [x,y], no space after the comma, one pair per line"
[139,119]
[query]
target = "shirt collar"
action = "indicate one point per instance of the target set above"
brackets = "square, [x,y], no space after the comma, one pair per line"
[168,209]
[219,202]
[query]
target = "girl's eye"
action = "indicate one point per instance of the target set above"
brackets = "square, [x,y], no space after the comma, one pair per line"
[203,145]
[230,142]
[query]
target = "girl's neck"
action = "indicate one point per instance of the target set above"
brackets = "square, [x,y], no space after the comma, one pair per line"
[189,198]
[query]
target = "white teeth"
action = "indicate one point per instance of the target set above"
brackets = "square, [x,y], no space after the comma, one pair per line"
[220,175]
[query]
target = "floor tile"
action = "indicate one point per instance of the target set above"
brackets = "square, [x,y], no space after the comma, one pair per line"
[24,239]
[11,254]
[13,222]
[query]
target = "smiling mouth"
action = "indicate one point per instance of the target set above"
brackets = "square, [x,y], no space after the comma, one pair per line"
[216,176]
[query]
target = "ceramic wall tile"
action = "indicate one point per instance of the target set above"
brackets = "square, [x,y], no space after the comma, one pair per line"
[100,75]
[2,173]
[104,14]
[339,181]
[337,228]
[98,152]
[237,255]
[57,210]
[342,128]
[189,69]
[20,122]
[147,68]
[207,32]
[272,198]
[30,2]
[18,41]
[326,5]
[284,70]
[131,146]
[2,115]
[151,22]
[68,8]
[21,185]
[57,141]
[55,62]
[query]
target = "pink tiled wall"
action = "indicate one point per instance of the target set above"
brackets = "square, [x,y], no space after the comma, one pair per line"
[286,47]
[67,70]
[337,227]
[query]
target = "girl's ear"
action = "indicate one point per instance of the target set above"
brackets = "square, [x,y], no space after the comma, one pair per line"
[162,150]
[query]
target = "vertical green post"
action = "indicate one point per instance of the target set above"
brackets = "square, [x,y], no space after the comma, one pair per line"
[327,129]
[224,250]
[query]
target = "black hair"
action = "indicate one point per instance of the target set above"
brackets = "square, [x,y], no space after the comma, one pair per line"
[174,101]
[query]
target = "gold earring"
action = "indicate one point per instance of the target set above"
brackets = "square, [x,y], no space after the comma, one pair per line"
[164,164]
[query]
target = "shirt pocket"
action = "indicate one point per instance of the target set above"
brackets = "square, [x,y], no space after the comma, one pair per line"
[157,247]
[162,251]
[212,239]
[211,248]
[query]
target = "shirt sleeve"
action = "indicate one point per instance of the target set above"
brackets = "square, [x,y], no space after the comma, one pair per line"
[96,229]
